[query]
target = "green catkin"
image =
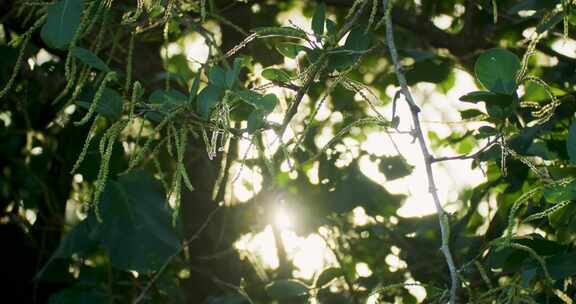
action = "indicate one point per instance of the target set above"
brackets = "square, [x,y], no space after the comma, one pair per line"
[160,172]
[515,207]
[136,93]
[79,86]
[109,76]
[565,19]
[483,274]
[241,45]
[91,134]
[129,62]
[536,257]
[352,9]
[547,212]
[109,138]
[140,155]
[171,132]
[182,150]
[372,17]
[203,10]
[494,11]
[24,43]
[68,69]
[546,112]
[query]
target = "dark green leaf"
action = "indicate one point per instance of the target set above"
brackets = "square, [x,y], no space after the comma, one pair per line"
[110,104]
[358,40]
[195,86]
[496,69]
[207,99]
[276,75]
[217,76]
[395,167]
[318,21]
[571,143]
[331,28]
[471,113]
[232,75]
[559,193]
[328,275]
[255,121]
[62,23]
[265,103]
[488,97]
[136,226]
[289,49]
[286,289]
[88,58]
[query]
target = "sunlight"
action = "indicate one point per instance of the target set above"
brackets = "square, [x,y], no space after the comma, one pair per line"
[437,108]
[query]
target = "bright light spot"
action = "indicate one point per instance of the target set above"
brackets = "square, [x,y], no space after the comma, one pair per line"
[527,33]
[526,13]
[36,151]
[70,109]
[566,47]
[310,255]
[394,263]
[418,291]
[312,173]
[359,216]
[283,218]
[78,178]
[261,245]
[30,216]
[247,182]
[6,118]
[363,270]
[135,274]
[43,56]
[184,274]
[443,22]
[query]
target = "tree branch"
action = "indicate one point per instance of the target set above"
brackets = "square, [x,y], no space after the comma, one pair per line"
[415,110]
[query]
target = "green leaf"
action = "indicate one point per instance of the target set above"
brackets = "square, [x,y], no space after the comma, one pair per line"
[255,121]
[318,21]
[286,289]
[166,100]
[265,103]
[136,226]
[110,104]
[559,193]
[276,75]
[331,28]
[328,275]
[62,23]
[395,167]
[358,39]
[284,31]
[207,99]
[571,142]
[488,97]
[217,76]
[289,49]
[195,86]
[496,69]
[232,75]
[88,58]
[470,113]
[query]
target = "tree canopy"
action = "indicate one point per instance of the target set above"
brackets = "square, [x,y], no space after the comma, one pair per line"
[147,144]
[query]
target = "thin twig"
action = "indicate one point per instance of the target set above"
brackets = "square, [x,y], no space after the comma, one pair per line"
[415,110]
[488,145]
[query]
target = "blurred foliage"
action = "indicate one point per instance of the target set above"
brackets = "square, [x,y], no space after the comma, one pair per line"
[126,128]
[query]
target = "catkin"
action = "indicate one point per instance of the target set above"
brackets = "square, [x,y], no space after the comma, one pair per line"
[25,39]
[109,76]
